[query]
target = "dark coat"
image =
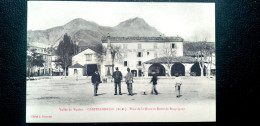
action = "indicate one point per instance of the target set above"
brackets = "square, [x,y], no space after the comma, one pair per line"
[95,78]
[154,79]
[117,80]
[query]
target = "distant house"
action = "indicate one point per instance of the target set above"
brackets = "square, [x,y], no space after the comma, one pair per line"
[88,60]
[76,70]
[46,70]
[57,69]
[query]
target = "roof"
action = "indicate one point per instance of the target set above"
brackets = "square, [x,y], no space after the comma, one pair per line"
[85,50]
[182,59]
[76,66]
[116,39]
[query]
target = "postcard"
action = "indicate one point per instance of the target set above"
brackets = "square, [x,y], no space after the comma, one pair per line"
[120,62]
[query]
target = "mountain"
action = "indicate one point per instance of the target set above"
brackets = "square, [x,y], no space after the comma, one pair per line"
[135,27]
[87,33]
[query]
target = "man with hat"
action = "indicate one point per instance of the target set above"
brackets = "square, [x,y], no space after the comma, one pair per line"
[129,81]
[117,75]
[95,79]
[154,80]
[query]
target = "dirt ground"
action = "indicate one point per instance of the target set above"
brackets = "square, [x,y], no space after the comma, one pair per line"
[70,91]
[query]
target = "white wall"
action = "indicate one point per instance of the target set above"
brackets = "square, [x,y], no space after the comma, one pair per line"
[79,70]
[131,49]
[81,58]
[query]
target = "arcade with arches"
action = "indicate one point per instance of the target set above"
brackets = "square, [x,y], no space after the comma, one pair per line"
[157,68]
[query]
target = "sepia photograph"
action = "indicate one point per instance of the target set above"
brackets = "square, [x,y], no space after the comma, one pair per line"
[120,62]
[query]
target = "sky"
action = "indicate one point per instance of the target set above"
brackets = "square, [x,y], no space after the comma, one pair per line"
[191,21]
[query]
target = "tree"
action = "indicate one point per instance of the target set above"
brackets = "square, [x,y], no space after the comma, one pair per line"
[100,53]
[116,53]
[33,59]
[65,50]
[168,53]
[204,51]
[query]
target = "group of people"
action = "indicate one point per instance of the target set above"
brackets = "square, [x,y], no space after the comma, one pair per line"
[117,75]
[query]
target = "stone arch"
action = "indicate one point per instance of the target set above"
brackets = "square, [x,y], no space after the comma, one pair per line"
[195,69]
[178,68]
[158,68]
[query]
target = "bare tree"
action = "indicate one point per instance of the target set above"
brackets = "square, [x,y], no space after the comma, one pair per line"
[204,51]
[168,52]
[116,53]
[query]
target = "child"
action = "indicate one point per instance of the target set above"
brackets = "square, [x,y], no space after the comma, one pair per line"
[178,84]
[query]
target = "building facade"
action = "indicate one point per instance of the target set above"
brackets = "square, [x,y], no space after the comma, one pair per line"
[135,51]
[46,69]
[142,55]
[88,60]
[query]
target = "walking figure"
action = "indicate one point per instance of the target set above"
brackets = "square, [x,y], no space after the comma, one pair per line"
[154,80]
[129,81]
[117,75]
[95,79]
[178,84]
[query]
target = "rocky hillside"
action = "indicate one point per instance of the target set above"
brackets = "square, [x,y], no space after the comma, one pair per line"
[89,34]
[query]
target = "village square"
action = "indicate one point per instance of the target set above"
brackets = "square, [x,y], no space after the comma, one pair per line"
[120,62]
[56,83]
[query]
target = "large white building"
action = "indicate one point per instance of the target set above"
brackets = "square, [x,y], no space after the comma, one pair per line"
[135,51]
[142,55]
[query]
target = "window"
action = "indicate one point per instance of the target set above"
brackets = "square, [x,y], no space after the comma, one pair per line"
[173,45]
[75,71]
[139,54]
[88,57]
[139,46]
[155,45]
[147,53]
[125,63]
[139,63]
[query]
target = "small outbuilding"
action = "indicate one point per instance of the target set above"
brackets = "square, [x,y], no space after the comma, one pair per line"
[76,70]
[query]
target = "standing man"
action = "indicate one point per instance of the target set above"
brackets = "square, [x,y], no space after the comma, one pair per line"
[117,75]
[129,81]
[154,80]
[178,84]
[95,79]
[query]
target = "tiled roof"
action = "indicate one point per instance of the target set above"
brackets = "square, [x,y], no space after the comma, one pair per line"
[182,59]
[76,66]
[142,39]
